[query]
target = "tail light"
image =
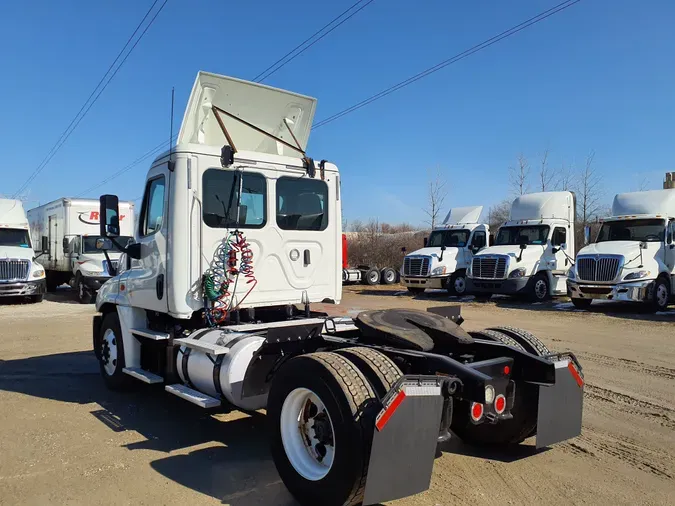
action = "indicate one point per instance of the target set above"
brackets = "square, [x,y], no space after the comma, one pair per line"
[476,411]
[500,404]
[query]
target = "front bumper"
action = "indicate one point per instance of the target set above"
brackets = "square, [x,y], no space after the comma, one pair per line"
[23,288]
[93,283]
[501,286]
[637,291]
[428,282]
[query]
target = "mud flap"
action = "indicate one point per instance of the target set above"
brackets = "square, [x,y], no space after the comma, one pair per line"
[405,439]
[561,404]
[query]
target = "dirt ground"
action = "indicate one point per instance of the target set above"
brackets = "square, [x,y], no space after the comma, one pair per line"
[65,439]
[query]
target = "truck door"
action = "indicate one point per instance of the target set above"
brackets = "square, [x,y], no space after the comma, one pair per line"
[562,263]
[477,242]
[146,283]
[53,241]
[670,253]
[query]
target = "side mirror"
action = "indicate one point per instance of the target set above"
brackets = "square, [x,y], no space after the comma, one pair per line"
[65,245]
[443,248]
[587,235]
[404,249]
[103,243]
[109,216]
[643,245]
[426,241]
[523,245]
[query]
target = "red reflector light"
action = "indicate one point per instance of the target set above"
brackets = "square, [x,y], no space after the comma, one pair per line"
[476,411]
[500,404]
[507,369]
[387,413]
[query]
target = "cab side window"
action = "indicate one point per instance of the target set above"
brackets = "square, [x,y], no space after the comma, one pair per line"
[152,214]
[559,236]
[479,240]
[302,204]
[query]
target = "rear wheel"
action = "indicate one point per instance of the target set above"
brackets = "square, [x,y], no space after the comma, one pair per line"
[379,370]
[582,303]
[372,277]
[388,276]
[530,342]
[322,411]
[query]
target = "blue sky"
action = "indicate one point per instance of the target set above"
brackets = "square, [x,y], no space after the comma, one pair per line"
[598,76]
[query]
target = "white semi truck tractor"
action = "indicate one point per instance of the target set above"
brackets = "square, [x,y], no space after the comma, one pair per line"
[633,257]
[70,228]
[533,251]
[447,253]
[21,275]
[239,234]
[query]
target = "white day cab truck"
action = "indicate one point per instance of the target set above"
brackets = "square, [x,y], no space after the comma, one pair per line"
[20,273]
[239,233]
[69,228]
[633,257]
[447,253]
[533,251]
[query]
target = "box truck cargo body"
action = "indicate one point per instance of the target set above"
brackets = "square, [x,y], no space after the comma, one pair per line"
[20,273]
[69,229]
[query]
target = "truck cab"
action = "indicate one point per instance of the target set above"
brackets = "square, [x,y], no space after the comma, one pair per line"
[633,256]
[20,273]
[447,253]
[533,251]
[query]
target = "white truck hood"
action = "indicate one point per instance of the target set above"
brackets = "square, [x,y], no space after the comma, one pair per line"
[629,249]
[16,252]
[531,255]
[450,257]
[277,112]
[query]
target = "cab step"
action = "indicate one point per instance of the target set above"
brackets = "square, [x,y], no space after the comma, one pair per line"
[193,396]
[196,344]
[150,334]
[143,375]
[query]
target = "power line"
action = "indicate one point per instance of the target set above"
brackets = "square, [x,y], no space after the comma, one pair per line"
[460,56]
[89,102]
[271,69]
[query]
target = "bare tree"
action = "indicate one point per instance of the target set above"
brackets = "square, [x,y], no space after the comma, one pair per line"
[644,184]
[546,174]
[498,214]
[566,177]
[590,191]
[436,198]
[518,176]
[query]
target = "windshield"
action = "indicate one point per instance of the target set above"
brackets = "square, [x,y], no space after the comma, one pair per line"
[522,235]
[633,230]
[89,244]
[448,238]
[14,237]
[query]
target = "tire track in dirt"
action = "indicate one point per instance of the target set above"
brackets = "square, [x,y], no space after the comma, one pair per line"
[597,443]
[663,415]
[626,363]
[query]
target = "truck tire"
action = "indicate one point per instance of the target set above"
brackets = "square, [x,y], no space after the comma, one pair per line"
[35,299]
[582,303]
[660,295]
[83,294]
[415,291]
[111,354]
[527,340]
[372,277]
[388,276]
[493,335]
[539,289]
[326,389]
[381,371]
[457,284]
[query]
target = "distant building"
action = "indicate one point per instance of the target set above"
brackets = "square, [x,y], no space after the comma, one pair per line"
[669,182]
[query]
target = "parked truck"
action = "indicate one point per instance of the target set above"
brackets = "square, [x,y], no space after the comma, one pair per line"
[533,251]
[633,257]
[366,274]
[447,253]
[69,228]
[239,234]
[20,273]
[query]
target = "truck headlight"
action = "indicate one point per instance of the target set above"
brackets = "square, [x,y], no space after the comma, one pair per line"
[438,271]
[636,275]
[39,273]
[517,273]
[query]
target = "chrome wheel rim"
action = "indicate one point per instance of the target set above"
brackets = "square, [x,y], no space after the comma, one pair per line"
[460,285]
[540,289]
[109,352]
[662,295]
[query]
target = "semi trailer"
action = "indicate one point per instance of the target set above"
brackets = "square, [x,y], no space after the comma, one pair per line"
[447,253]
[21,275]
[70,227]
[533,251]
[239,234]
[633,256]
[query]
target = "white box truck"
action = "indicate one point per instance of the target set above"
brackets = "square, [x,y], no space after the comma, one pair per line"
[633,257]
[20,274]
[69,228]
[533,251]
[447,253]
[237,227]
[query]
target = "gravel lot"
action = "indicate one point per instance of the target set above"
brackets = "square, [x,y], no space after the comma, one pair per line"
[65,439]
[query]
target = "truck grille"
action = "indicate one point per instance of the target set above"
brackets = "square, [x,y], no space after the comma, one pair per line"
[602,268]
[489,267]
[14,270]
[416,266]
